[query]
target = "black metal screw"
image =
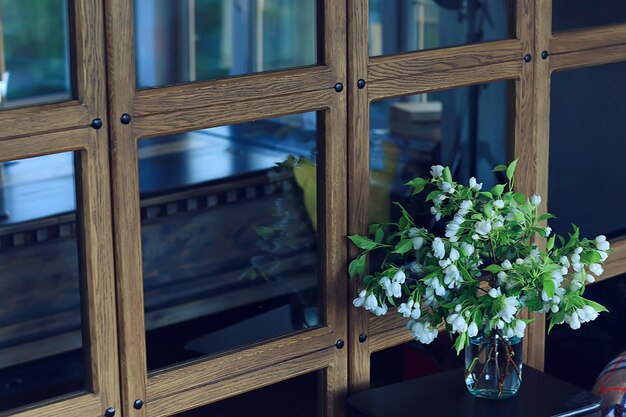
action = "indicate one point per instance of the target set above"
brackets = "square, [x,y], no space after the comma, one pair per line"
[361,83]
[125,119]
[339,344]
[110,412]
[528,57]
[138,404]
[362,337]
[96,123]
[339,87]
[545,54]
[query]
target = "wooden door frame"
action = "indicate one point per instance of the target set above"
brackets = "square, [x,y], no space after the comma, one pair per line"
[65,127]
[198,105]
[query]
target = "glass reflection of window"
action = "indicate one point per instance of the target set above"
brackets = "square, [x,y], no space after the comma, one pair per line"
[34,52]
[190,40]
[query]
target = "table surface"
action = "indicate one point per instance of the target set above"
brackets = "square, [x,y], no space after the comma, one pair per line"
[445,394]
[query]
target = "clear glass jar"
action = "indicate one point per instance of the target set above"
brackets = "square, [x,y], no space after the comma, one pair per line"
[493,366]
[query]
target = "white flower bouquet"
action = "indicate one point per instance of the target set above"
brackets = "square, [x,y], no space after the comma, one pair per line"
[476,278]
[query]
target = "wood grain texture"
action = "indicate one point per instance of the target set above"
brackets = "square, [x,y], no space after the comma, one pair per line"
[588,57]
[214,390]
[87,405]
[425,82]
[29,121]
[125,206]
[32,146]
[230,113]
[387,331]
[358,183]
[231,90]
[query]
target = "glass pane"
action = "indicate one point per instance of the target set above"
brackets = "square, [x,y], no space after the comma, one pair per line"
[464,128]
[411,25]
[302,396]
[229,219]
[34,52]
[413,360]
[605,337]
[574,14]
[180,41]
[587,148]
[41,353]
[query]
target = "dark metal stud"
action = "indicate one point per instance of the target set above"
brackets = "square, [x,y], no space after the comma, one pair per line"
[339,344]
[138,404]
[362,337]
[110,412]
[545,54]
[96,123]
[339,87]
[528,57]
[360,83]
[125,119]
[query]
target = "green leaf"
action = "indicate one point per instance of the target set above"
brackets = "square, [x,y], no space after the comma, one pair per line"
[493,268]
[541,231]
[591,257]
[404,246]
[497,190]
[556,318]
[378,237]
[486,194]
[363,242]
[432,195]
[598,307]
[357,266]
[550,243]
[459,344]
[510,171]
[519,197]
[499,168]
[264,231]
[418,185]
[545,216]
[519,216]
[447,175]
[550,267]
[548,285]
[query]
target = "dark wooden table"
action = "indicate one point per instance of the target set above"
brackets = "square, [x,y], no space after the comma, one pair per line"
[445,395]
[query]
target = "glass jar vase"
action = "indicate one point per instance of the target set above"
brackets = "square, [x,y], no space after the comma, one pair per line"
[493,366]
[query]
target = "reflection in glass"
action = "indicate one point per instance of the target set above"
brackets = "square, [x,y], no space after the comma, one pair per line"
[179,41]
[587,148]
[464,128]
[411,25]
[413,360]
[41,354]
[574,14]
[229,236]
[302,396]
[34,52]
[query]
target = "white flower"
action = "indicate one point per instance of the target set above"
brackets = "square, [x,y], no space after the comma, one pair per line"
[495,292]
[415,267]
[423,332]
[413,232]
[439,250]
[590,312]
[436,171]
[520,327]
[474,185]
[416,313]
[464,208]
[501,275]
[500,325]
[406,308]
[452,276]
[475,236]
[548,230]
[554,308]
[535,200]
[564,261]
[498,204]
[600,238]
[457,308]
[483,227]
[519,261]
[596,269]
[370,302]
[395,290]
[435,213]
[578,250]
[451,229]
[458,219]
[459,325]
[399,277]
[467,249]
[575,258]
[573,321]
[510,308]
[385,282]
[603,245]
[439,199]
[380,310]
[358,302]
[418,242]
[454,255]
[439,289]
[446,187]
[472,330]
[590,278]
[507,264]
[603,255]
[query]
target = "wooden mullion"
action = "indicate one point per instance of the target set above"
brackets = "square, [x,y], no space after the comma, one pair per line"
[616,263]
[87,405]
[226,91]
[588,57]
[30,121]
[358,183]
[586,39]
[212,391]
